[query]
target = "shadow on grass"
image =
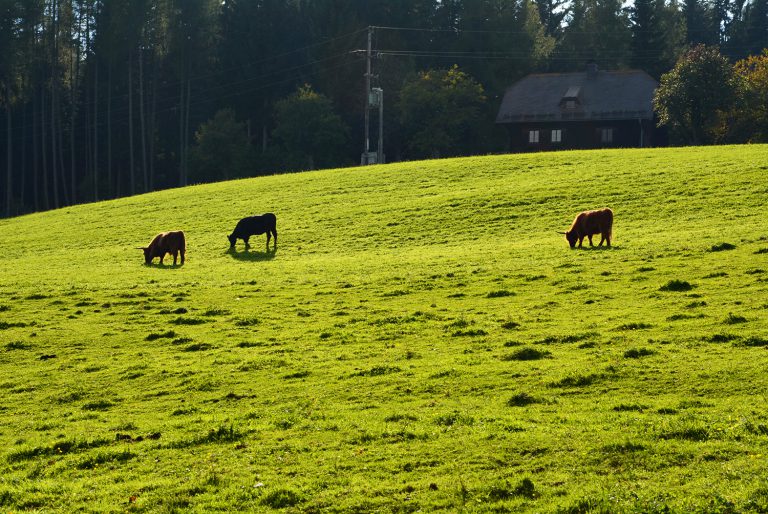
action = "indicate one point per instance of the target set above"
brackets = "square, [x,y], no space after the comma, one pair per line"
[252,256]
[596,248]
[163,265]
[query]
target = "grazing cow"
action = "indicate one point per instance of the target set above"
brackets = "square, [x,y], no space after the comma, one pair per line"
[589,223]
[165,242]
[254,226]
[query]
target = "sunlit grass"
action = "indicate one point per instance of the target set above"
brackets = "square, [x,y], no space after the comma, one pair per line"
[421,339]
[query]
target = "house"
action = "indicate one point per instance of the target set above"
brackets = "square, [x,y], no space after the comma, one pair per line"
[590,109]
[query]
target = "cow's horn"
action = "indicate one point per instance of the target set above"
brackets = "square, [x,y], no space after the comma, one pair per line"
[558,232]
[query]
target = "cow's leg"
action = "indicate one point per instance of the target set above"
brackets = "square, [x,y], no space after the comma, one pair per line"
[175,254]
[581,240]
[268,236]
[182,256]
[245,239]
[590,240]
[162,256]
[274,233]
[602,238]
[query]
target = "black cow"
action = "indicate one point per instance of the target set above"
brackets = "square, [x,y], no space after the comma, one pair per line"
[254,226]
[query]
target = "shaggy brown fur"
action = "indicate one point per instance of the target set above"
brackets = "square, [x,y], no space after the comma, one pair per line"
[589,223]
[166,242]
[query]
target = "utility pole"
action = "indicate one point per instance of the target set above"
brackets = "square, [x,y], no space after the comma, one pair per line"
[374,98]
[367,144]
[380,147]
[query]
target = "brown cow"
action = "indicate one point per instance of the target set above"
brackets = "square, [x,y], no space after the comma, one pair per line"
[589,223]
[165,242]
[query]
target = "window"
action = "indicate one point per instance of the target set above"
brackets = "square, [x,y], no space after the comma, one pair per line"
[570,104]
[557,136]
[533,136]
[606,135]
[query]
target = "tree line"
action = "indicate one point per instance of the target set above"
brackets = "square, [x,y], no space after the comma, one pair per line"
[108,98]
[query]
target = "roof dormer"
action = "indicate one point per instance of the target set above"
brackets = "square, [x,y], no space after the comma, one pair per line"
[572,98]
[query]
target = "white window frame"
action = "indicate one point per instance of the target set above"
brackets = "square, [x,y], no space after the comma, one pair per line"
[533,136]
[557,135]
[606,135]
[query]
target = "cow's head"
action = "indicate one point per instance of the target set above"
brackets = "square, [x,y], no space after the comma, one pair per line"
[147,254]
[232,240]
[572,237]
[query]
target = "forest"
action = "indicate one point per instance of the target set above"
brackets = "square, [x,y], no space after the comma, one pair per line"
[108,98]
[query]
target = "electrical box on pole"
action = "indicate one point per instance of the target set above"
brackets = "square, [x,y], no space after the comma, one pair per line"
[379,94]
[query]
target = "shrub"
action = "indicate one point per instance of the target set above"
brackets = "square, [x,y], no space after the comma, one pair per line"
[216,312]
[98,405]
[574,338]
[505,491]
[576,380]
[521,400]
[635,326]
[499,294]
[722,247]
[17,345]
[636,353]
[222,434]
[154,336]
[377,371]
[697,433]
[470,333]
[197,347]
[526,354]
[188,321]
[298,374]
[734,319]
[629,408]
[676,285]
[755,341]
[722,338]
[454,418]
[246,322]
[281,498]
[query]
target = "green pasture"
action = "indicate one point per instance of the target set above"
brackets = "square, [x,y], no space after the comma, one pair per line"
[421,340]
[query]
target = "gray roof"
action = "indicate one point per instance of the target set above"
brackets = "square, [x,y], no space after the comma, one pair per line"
[588,95]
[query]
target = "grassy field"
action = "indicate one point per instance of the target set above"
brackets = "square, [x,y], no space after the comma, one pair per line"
[421,339]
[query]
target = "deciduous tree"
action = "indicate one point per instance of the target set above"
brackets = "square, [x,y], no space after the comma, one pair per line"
[693,96]
[749,121]
[222,150]
[309,131]
[440,111]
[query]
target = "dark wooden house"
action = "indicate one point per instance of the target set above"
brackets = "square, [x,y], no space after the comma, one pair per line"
[590,109]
